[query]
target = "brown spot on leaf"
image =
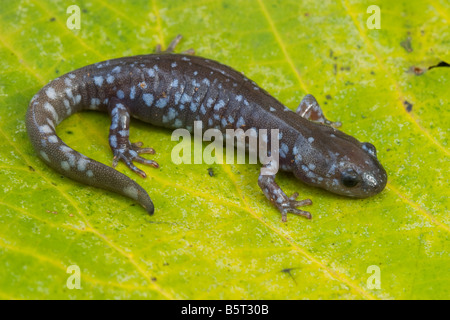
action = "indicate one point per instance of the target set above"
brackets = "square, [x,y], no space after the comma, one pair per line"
[408,105]
[417,70]
[406,44]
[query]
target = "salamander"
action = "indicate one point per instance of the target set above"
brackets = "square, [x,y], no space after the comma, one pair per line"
[174,90]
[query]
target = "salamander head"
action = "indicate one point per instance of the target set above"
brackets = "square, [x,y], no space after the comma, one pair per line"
[339,163]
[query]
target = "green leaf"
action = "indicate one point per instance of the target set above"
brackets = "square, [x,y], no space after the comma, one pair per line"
[218,237]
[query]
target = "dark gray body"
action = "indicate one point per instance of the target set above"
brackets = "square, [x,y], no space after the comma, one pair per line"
[173,91]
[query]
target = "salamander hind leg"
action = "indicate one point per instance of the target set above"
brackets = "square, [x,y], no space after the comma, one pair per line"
[284,204]
[119,134]
[172,46]
[310,109]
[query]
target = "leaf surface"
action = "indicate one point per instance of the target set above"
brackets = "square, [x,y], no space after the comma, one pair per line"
[217,237]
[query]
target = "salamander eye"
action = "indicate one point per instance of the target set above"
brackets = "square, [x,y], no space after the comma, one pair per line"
[350,178]
[370,148]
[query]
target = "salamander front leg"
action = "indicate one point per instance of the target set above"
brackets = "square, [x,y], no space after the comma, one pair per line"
[310,109]
[119,134]
[172,45]
[283,203]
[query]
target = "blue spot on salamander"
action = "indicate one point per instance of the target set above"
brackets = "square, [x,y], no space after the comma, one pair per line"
[162,102]
[148,99]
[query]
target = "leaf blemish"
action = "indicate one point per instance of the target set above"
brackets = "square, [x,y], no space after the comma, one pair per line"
[417,70]
[406,44]
[408,105]
[440,64]
[288,271]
